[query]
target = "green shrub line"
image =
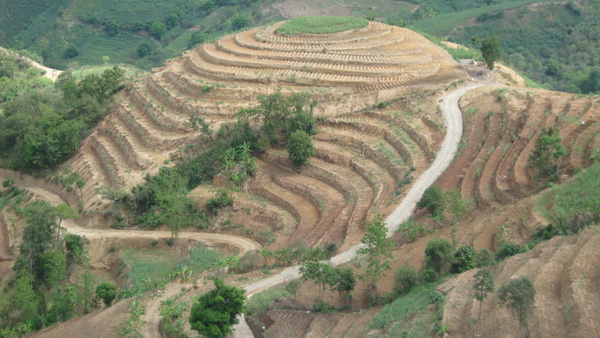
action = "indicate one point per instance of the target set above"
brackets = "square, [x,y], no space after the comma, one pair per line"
[321,25]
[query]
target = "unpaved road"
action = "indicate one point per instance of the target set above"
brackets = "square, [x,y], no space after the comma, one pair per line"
[50,73]
[28,182]
[454,129]
[454,124]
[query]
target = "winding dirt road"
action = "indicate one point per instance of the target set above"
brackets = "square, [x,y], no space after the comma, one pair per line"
[454,130]
[454,124]
[27,182]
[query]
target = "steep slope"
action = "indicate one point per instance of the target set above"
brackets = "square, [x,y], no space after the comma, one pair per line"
[564,272]
[362,160]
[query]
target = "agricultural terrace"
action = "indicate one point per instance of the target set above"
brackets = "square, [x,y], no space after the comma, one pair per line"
[364,157]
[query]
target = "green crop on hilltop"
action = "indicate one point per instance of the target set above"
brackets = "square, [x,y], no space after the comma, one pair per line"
[321,25]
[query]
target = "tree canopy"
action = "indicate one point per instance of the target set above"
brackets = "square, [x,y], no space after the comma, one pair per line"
[215,312]
[490,50]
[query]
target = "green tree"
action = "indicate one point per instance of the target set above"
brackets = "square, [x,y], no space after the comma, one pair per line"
[433,200]
[343,282]
[592,83]
[71,51]
[519,295]
[548,153]
[320,272]
[75,247]
[157,29]
[38,236]
[300,148]
[64,211]
[144,49]
[490,50]
[378,251]
[107,291]
[438,256]
[464,259]
[215,312]
[484,284]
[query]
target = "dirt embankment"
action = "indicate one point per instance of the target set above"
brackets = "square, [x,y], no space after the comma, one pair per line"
[565,273]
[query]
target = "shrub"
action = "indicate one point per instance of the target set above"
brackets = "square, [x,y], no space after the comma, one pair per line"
[107,292]
[464,259]
[224,199]
[406,279]
[157,29]
[485,258]
[300,148]
[433,200]
[507,250]
[438,256]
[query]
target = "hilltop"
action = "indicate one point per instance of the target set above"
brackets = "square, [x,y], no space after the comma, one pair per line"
[373,93]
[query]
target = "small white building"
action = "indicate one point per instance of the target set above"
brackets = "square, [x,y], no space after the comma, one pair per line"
[467,62]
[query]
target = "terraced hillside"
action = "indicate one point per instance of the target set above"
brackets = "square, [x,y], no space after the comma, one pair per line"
[564,272]
[502,128]
[361,156]
[363,163]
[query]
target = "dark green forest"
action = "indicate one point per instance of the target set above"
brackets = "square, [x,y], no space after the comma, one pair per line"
[43,122]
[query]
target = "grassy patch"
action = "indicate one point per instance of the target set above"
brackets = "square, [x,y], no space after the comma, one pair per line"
[149,268]
[260,303]
[321,25]
[442,24]
[573,205]
[408,316]
[202,258]
[154,269]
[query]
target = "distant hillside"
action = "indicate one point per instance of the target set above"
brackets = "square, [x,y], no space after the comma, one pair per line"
[555,43]
[67,33]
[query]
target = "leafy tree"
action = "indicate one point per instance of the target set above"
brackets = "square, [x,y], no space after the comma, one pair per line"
[406,278]
[64,211]
[215,312]
[174,19]
[23,299]
[111,28]
[320,272]
[71,51]
[484,284]
[300,148]
[464,259]
[343,282]
[157,29]
[75,247]
[519,295]
[490,50]
[241,20]
[378,251]
[592,83]
[107,291]
[144,49]
[433,200]
[37,237]
[548,153]
[438,256]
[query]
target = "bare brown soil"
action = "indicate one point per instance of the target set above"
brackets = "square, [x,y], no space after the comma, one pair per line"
[564,272]
[360,158]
